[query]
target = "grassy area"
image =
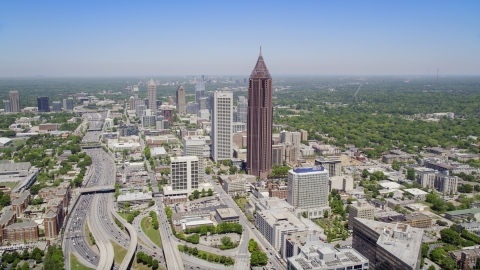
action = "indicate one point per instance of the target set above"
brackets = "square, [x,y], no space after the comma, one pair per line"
[207,256]
[119,251]
[76,265]
[123,215]
[17,143]
[140,266]
[153,234]
[10,185]
[87,233]
[241,203]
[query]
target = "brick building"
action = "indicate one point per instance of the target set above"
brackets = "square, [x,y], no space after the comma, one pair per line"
[20,232]
[20,202]
[8,217]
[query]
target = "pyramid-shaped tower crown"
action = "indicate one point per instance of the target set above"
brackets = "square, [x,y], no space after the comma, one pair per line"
[260,71]
[151,82]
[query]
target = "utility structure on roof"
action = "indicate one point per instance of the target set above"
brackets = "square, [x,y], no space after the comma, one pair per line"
[259,121]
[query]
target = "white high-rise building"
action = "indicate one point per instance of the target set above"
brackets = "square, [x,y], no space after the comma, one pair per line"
[184,173]
[152,97]
[308,190]
[222,120]
[194,146]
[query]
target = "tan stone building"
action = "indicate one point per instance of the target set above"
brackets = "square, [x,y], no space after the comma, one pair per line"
[361,210]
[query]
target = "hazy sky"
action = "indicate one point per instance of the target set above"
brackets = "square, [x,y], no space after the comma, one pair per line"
[105,38]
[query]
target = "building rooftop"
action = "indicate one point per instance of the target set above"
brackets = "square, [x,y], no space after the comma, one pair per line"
[227,213]
[21,198]
[18,166]
[129,196]
[402,240]
[416,191]
[308,170]
[462,212]
[24,224]
[319,255]
[7,215]
[158,151]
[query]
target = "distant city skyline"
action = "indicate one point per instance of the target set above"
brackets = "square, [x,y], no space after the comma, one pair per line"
[59,38]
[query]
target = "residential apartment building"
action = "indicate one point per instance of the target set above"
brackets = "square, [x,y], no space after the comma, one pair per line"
[20,202]
[21,232]
[8,217]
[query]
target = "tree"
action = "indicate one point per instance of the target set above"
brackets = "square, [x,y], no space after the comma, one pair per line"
[431,267]
[325,214]
[208,170]
[411,174]
[155,264]
[450,236]
[126,205]
[196,194]
[203,192]
[210,192]
[365,173]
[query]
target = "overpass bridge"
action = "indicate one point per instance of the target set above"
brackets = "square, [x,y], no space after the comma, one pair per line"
[101,189]
[90,145]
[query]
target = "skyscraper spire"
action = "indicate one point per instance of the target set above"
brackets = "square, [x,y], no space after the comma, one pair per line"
[260,70]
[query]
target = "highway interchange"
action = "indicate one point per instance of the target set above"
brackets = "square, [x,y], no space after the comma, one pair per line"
[95,209]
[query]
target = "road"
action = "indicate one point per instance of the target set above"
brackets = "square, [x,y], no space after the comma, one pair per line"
[250,232]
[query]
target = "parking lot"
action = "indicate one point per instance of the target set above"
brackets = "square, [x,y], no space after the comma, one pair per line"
[214,240]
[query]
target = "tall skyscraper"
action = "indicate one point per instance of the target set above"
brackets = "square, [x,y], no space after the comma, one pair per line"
[181,100]
[308,190]
[199,90]
[152,97]
[56,106]
[68,104]
[259,121]
[14,101]
[7,106]
[131,103]
[222,120]
[42,103]
[242,105]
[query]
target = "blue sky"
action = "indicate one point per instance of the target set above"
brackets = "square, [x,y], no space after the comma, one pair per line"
[125,38]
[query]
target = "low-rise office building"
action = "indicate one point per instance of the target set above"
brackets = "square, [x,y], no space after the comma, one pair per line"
[275,223]
[226,215]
